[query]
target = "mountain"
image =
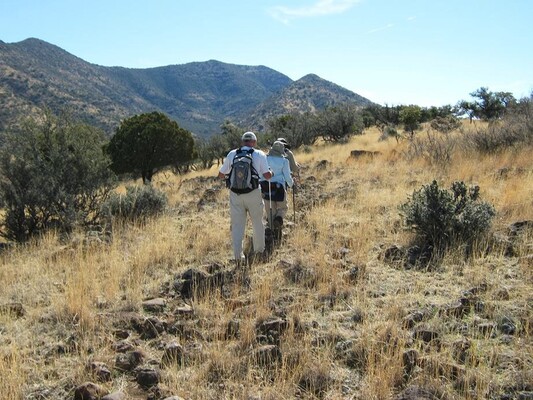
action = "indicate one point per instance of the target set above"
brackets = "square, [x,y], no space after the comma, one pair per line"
[35,74]
[308,94]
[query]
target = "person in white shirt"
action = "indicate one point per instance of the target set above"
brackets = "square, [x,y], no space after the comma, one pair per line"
[248,201]
[276,204]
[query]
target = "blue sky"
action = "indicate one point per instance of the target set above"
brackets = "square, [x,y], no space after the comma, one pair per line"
[425,52]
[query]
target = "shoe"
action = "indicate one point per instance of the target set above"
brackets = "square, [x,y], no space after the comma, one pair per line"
[278,222]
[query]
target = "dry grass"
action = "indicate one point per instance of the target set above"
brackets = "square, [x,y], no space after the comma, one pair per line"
[345,309]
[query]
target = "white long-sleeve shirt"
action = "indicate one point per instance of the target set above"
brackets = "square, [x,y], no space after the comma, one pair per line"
[282,170]
[259,162]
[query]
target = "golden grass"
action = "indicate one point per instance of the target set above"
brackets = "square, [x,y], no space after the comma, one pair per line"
[346,336]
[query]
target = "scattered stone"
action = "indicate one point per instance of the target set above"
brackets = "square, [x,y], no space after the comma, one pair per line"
[154,305]
[361,153]
[413,318]
[267,356]
[355,273]
[121,334]
[394,254]
[129,361]
[315,381]
[173,398]
[147,377]
[426,335]
[357,316]
[232,329]
[122,346]
[461,350]
[89,391]
[194,282]
[13,309]
[100,371]
[322,164]
[410,359]
[185,311]
[507,326]
[418,393]
[152,328]
[115,396]
[173,355]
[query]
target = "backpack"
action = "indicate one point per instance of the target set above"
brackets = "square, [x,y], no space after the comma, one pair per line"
[243,177]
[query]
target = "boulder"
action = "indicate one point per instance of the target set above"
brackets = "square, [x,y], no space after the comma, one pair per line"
[89,391]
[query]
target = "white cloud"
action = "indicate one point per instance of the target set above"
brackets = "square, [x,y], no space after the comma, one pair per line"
[411,18]
[320,8]
[388,26]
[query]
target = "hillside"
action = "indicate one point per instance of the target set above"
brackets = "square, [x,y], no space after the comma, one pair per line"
[198,95]
[157,309]
[308,94]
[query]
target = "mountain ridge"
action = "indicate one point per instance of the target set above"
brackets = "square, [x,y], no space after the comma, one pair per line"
[199,95]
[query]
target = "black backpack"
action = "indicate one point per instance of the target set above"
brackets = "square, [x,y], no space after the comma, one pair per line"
[243,177]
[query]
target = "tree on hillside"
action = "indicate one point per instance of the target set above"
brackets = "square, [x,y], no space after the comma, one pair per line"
[488,105]
[338,123]
[146,143]
[54,174]
[410,117]
[298,129]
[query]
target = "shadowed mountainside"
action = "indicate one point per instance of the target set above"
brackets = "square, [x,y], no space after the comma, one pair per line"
[35,74]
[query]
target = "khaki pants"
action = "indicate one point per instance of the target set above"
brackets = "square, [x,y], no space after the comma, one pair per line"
[240,205]
[279,209]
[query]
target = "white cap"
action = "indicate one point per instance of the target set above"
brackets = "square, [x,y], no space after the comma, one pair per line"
[249,136]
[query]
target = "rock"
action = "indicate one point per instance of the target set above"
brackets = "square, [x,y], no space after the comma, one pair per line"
[418,393]
[232,329]
[413,318]
[122,346]
[185,310]
[461,350]
[173,355]
[154,305]
[115,396]
[89,391]
[147,377]
[507,326]
[410,359]
[267,356]
[121,334]
[426,335]
[173,398]
[321,165]
[361,153]
[315,381]
[394,253]
[15,310]
[355,273]
[100,371]
[271,329]
[152,328]
[129,361]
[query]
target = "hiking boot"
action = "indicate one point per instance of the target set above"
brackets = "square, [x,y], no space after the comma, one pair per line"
[278,228]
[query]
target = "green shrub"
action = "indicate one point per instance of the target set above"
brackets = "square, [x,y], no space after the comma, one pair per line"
[442,218]
[53,174]
[138,203]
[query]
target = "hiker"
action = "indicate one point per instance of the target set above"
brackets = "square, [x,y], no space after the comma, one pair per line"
[274,192]
[243,167]
[295,167]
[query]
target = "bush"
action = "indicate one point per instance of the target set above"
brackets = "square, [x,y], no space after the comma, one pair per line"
[53,174]
[137,204]
[445,124]
[442,218]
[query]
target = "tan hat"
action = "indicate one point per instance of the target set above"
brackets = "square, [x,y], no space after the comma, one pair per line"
[249,136]
[277,149]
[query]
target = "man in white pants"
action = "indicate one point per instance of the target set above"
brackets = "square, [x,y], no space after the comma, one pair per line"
[250,202]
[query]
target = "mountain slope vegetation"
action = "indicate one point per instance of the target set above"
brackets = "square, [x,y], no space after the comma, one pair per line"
[199,95]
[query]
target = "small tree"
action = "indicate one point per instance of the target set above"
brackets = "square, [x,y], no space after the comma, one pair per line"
[488,105]
[146,143]
[338,123]
[410,117]
[53,175]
